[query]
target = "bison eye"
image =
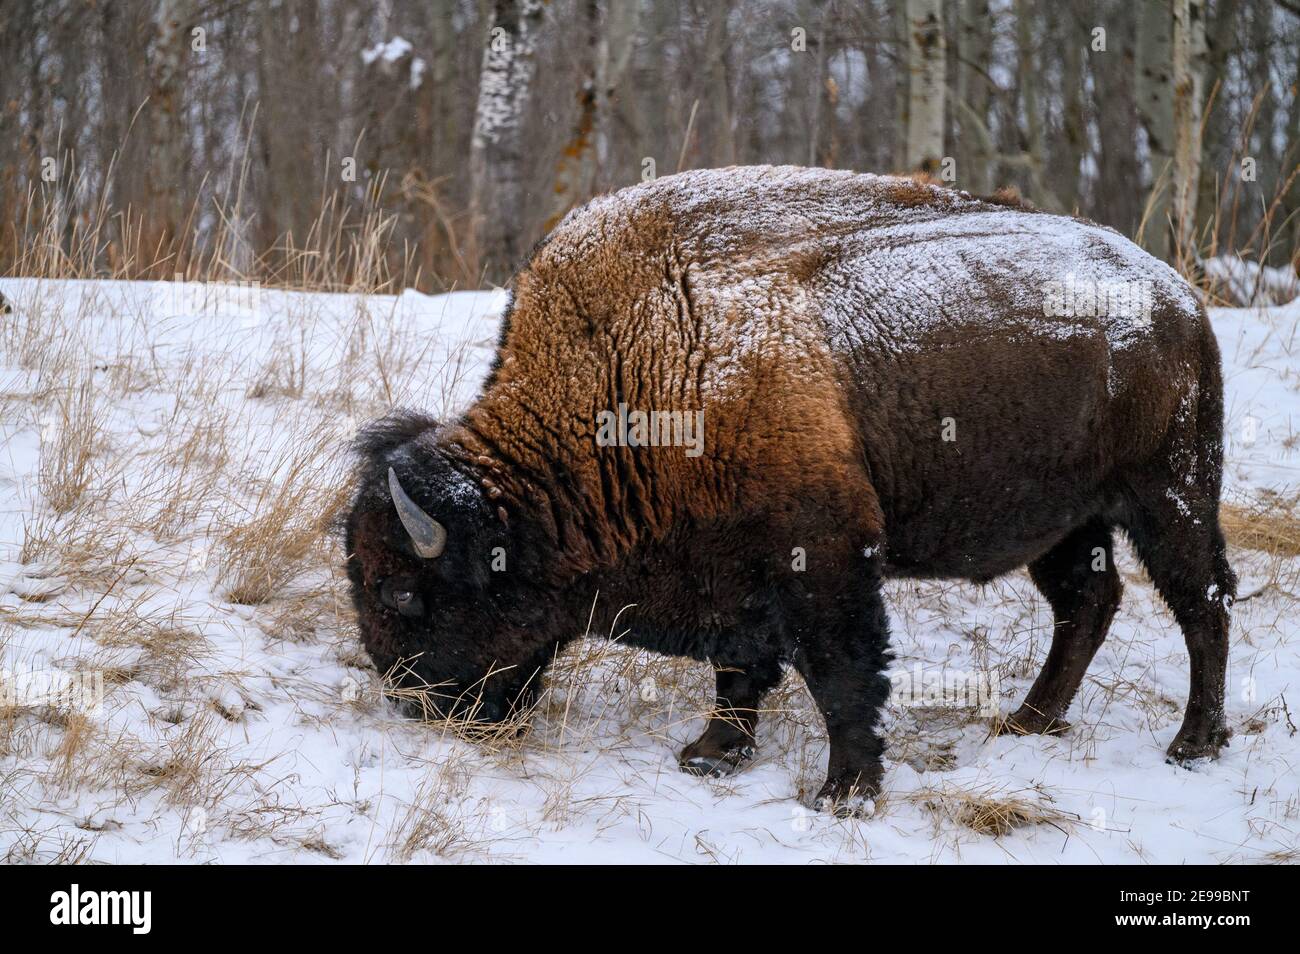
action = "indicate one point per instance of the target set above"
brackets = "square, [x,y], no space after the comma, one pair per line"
[400,596]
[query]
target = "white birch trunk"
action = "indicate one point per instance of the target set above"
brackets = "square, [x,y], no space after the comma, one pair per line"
[497,148]
[1155,109]
[1189,75]
[926,56]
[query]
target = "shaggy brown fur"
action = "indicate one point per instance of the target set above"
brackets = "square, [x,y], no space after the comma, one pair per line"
[882,395]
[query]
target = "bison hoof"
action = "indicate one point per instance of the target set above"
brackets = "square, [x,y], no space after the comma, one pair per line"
[1191,745]
[847,801]
[1027,721]
[716,766]
[850,806]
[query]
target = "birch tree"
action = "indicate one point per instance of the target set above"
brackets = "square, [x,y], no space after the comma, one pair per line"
[576,170]
[166,58]
[498,187]
[1154,61]
[1188,72]
[603,59]
[974,40]
[442,28]
[1033,156]
[1073,122]
[902,84]
[926,55]
[614,57]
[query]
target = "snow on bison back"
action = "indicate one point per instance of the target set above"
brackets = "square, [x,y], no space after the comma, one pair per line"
[732,401]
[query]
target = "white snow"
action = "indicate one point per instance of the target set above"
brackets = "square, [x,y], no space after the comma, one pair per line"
[253,733]
[1248,283]
[389,51]
[392,51]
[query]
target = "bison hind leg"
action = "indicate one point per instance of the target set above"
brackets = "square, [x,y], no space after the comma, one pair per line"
[1079,580]
[728,740]
[1173,520]
[1177,536]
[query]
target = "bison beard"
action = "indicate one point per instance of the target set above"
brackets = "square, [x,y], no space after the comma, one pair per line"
[885,395]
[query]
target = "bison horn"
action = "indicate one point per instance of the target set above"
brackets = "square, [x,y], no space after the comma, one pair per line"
[427,534]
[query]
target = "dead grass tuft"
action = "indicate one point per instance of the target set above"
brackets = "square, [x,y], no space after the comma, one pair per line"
[72,434]
[429,702]
[432,821]
[991,813]
[290,518]
[1270,525]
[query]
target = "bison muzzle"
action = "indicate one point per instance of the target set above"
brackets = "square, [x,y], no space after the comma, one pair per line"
[892,380]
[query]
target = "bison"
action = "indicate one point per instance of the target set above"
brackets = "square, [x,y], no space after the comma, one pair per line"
[893,379]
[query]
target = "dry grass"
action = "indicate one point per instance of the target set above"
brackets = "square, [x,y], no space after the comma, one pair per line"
[1271,525]
[165,651]
[428,703]
[432,822]
[51,848]
[347,247]
[990,812]
[70,439]
[288,519]
[70,755]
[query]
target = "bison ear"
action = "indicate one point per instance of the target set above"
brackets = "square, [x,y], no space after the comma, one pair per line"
[374,442]
[428,536]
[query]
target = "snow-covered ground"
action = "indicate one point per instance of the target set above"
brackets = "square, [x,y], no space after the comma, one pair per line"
[170,456]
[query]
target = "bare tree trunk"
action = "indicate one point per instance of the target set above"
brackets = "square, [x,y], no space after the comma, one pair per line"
[280,129]
[974,44]
[814,93]
[1290,211]
[497,148]
[926,55]
[606,53]
[1189,74]
[1155,109]
[828,149]
[1073,123]
[166,129]
[575,172]
[823,95]
[902,85]
[442,26]
[617,43]
[1034,153]
[718,49]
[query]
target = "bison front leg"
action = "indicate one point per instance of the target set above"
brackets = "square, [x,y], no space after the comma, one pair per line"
[728,740]
[843,650]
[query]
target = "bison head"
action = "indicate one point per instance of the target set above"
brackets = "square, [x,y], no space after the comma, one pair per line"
[446,605]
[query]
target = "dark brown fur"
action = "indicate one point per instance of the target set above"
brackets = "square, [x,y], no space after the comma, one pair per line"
[827,324]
